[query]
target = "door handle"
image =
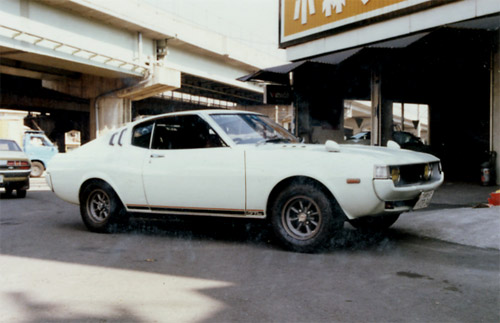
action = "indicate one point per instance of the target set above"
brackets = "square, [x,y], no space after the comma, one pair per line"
[157,156]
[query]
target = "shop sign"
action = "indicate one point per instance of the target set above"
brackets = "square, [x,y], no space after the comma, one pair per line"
[301,20]
[277,94]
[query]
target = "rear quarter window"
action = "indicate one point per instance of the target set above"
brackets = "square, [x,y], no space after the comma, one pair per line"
[141,135]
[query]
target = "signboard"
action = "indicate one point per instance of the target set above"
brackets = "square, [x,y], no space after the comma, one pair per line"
[303,20]
[277,94]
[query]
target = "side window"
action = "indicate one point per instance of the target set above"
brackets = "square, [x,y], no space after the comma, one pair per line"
[184,132]
[38,141]
[141,135]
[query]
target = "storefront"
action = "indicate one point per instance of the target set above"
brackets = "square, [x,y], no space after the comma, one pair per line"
[443,55]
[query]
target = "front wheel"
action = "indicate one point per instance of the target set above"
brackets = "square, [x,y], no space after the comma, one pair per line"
[374,223]
[304,218]
[100,208]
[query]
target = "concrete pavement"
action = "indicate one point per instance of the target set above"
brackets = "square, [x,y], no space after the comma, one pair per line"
[478,227]
[458,213]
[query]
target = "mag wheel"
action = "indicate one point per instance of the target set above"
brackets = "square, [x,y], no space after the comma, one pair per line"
[304,218]
[100,208]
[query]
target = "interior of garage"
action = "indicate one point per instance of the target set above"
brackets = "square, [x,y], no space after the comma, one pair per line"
[448,69]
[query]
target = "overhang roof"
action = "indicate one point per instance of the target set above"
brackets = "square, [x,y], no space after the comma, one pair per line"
[279,74]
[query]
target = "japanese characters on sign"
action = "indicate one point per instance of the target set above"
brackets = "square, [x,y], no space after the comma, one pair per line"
[305,18]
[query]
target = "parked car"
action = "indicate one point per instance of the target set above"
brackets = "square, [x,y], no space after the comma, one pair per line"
[35,144]
[15,168]
[404,139]
[241,164]
[361,138]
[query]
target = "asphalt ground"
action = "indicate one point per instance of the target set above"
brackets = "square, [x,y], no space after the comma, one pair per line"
[458,213]
[208,270]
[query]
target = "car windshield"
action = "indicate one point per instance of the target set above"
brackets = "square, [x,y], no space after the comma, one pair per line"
[9,145]
[253,129]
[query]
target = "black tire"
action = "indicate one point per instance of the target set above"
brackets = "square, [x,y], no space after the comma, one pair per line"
[21,193]
[374,223]
[101,209]
[36,169]
[304,218]
[8,191]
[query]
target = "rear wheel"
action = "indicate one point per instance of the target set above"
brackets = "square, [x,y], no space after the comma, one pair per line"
[37,169]
[374,223]
[304,218]
[100,208]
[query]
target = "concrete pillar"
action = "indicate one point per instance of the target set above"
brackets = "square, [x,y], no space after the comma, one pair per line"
[495,102]
[108,113]
[382,124]
[386,125]
[376,99]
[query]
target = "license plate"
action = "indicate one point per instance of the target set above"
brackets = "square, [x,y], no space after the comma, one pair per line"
[424,200]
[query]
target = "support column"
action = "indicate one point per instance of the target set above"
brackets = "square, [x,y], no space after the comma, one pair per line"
[382,124]
[495,103]
[108,113]
[386,125]
[376,99]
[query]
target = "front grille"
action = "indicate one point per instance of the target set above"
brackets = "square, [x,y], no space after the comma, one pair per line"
[418,174]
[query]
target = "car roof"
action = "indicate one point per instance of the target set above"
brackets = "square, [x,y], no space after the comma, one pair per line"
[198,112]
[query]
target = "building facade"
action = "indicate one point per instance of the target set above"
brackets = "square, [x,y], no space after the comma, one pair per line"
[442,54]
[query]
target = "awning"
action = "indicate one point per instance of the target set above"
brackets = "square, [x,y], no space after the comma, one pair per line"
[280,74]
[338,57]
[276,74]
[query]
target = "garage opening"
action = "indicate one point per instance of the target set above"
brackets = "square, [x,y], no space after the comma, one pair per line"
[410,124]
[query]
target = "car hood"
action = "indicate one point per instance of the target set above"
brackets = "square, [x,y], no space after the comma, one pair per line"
[389,155]
[378,155]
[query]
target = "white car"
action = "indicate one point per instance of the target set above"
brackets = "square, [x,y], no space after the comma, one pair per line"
[241,164]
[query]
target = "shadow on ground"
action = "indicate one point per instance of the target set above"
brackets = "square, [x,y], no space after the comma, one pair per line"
[255,232]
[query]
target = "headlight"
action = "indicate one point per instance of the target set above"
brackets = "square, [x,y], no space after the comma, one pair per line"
[395,175]
[381,172]
[428,171]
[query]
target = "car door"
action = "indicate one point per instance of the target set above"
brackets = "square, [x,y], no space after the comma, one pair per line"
[191,170]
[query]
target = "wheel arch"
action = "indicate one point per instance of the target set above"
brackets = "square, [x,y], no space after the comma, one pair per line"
[96,180]
[300,179]
[39,161]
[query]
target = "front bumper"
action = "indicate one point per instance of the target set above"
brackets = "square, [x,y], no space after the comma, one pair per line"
[401,199]
[386,191]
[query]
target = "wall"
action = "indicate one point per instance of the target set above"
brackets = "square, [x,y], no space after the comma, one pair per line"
[12,125]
